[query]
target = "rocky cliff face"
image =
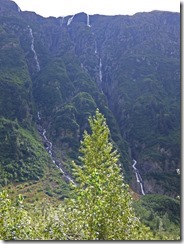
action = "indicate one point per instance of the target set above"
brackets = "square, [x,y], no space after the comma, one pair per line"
[127,66]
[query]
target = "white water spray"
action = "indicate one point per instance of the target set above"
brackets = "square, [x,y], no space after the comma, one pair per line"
[70,20]
[33,49]
[138,176]
[100,71]
[49,148]
[88,21]
[39,118]
[96,50]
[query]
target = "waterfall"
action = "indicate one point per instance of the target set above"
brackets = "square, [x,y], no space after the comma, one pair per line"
[49,148]
[100,71]
[99,78]
[39,118]
[96,51]
[138,176]
[70,20]
[33,49]
[88,21]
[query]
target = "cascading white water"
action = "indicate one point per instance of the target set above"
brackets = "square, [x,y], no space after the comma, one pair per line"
[48,147]
[138,176]
[33,49]
[88,21]
[100,70]
[96,51]
[100,75]
[39,118]
[70,20]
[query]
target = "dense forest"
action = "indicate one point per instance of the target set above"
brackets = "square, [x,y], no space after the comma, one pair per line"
[57,77]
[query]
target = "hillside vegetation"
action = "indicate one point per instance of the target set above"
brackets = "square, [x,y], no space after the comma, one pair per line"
[100,207]
[55,73]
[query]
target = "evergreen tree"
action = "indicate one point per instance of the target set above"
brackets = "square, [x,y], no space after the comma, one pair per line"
[101,209]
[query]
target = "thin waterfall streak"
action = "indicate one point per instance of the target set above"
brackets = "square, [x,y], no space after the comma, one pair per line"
[138,176]
[33,50]
[39,118]
[49,148]
[100,71]
[70,20]
[142,190]
[88,21]
[96,51]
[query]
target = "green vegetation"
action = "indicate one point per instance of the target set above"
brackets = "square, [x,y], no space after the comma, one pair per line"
[100,207]
[22,155]
[51,186]
[139,95]
[161,214]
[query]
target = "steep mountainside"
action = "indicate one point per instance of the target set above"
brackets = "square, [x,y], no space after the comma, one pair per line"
[55,72]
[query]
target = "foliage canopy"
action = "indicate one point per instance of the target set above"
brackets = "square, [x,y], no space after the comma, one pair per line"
[101,208]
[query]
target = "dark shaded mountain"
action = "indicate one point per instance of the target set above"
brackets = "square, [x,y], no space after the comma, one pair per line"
[64,68]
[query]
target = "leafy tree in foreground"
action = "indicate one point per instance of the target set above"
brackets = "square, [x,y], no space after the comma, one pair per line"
[14,219]
[100,210]
[102,207]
